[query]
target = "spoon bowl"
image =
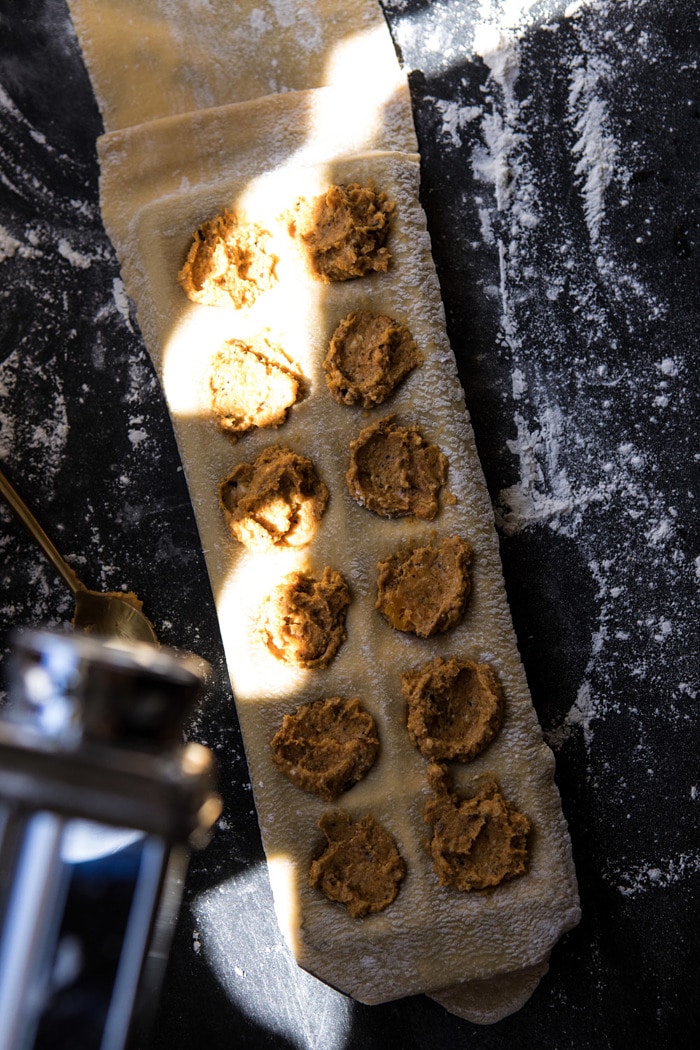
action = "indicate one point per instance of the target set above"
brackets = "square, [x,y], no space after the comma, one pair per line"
[114,614]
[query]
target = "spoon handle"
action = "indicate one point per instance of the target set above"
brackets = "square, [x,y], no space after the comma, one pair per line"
[35,530]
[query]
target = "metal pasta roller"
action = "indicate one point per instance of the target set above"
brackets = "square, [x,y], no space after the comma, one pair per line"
[100,803]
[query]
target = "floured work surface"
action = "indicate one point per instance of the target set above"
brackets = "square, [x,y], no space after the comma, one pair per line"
[254,161]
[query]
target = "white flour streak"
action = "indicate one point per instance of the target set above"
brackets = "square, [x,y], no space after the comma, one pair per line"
[455,119]
[75,258]
[595,147]
[584,713]
[544,494]
[494,164]
[121,301]
[7,104]
[499,161]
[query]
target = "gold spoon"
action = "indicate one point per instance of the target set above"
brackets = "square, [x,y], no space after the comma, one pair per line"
[110,613]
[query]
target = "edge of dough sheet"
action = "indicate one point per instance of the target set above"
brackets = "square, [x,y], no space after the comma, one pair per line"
[154,58]
[173,154]
[493,998]
[430,936]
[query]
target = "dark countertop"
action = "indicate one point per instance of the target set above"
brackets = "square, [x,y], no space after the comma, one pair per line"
[560,180]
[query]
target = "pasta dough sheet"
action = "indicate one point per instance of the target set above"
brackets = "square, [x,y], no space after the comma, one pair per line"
[159,159]
[247,106]
[155,58]
[430,936]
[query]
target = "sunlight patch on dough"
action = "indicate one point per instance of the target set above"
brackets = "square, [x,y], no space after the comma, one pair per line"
[201,330]
[283,882]
[259,676]
[367,97]
[201,327]
[371,50]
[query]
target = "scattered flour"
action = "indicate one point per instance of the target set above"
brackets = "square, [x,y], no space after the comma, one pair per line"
[8,245]
[661,874]
[64,312]
[75,258]
[571,296]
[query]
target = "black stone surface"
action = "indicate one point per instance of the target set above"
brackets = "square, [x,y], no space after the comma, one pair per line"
[571,291]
